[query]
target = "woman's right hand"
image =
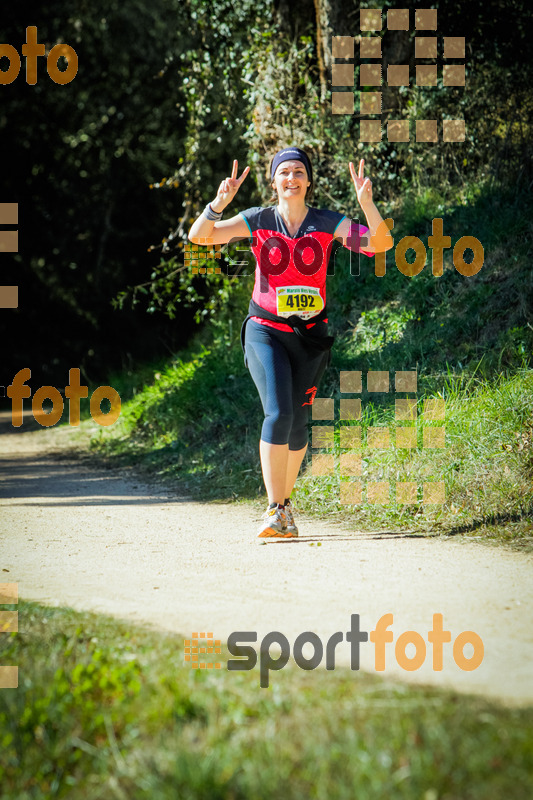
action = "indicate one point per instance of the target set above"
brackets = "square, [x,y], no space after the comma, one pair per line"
[229,188]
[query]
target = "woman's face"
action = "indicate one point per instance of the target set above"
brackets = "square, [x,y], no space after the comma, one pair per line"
[291,180]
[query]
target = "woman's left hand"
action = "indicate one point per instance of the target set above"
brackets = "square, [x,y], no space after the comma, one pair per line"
[363,186]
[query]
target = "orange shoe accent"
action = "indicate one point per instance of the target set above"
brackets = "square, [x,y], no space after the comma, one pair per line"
[274,525]
[271,533]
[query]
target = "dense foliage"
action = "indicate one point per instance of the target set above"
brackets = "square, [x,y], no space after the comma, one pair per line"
[111,169]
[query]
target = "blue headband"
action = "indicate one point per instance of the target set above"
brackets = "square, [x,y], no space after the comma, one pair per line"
[291,154]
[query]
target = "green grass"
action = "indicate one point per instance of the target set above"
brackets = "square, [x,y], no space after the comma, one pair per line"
[182,424]
[486,465]
[107,710]
[208,447]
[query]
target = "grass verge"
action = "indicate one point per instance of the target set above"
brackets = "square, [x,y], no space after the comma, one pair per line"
[106,710]
[485,467]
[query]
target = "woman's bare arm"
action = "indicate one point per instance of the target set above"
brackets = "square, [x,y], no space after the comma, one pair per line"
[206,231]
[378,235]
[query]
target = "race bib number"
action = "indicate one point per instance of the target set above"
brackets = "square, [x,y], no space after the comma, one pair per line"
[304,301]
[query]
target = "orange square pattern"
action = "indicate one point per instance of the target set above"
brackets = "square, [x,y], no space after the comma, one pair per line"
[370,75]
[454,47]
[370,47]
[426,47]
[398,130]
[370,19]
[406,438]
[426,130]
[426,74]
[350,409]
[378,438]
[433,493]
[405,381]
[9,675]
[405,409]
[453,130]
[192,650]
[426,19]
[350,436]
[342,75]
[434,437]
[453,75]
[350,464]
[351,381]
[370,130]
[9,593]
[323,408]
[398,75]
[342,46]
[322,436]
[398,19]
[377,381]
[322,464]
[370,102]
[342,102]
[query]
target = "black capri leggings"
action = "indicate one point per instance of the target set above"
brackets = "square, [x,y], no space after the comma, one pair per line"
[286,372]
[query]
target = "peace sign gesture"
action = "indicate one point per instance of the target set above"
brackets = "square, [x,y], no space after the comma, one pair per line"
[363,186]
[229,187]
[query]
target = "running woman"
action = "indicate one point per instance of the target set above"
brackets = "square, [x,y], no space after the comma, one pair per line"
[284,336]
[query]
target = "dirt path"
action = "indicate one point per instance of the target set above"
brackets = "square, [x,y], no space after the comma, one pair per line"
[93,539]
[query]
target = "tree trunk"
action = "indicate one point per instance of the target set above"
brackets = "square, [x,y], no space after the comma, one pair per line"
[328,24]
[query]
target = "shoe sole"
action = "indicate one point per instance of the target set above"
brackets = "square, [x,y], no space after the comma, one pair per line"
[271,533]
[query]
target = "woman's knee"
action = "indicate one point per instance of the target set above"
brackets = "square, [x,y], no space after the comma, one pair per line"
[298,438]
[277,427]
[299,435]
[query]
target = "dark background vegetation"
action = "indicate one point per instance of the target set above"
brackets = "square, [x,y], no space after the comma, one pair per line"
[167,94]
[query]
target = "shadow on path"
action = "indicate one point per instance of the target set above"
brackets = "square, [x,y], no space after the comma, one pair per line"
[45,476]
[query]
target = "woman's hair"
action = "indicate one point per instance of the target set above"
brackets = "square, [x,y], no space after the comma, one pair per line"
[308,193]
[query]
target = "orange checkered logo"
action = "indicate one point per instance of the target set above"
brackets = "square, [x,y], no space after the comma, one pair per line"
[373,74]
[9,677]
[9,243]
[196,254]
[352,446]
[195,654]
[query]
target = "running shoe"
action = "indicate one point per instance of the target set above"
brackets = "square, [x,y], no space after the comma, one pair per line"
[274,524]
[291,525]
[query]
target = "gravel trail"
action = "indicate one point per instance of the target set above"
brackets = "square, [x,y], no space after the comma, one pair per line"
[75,534]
